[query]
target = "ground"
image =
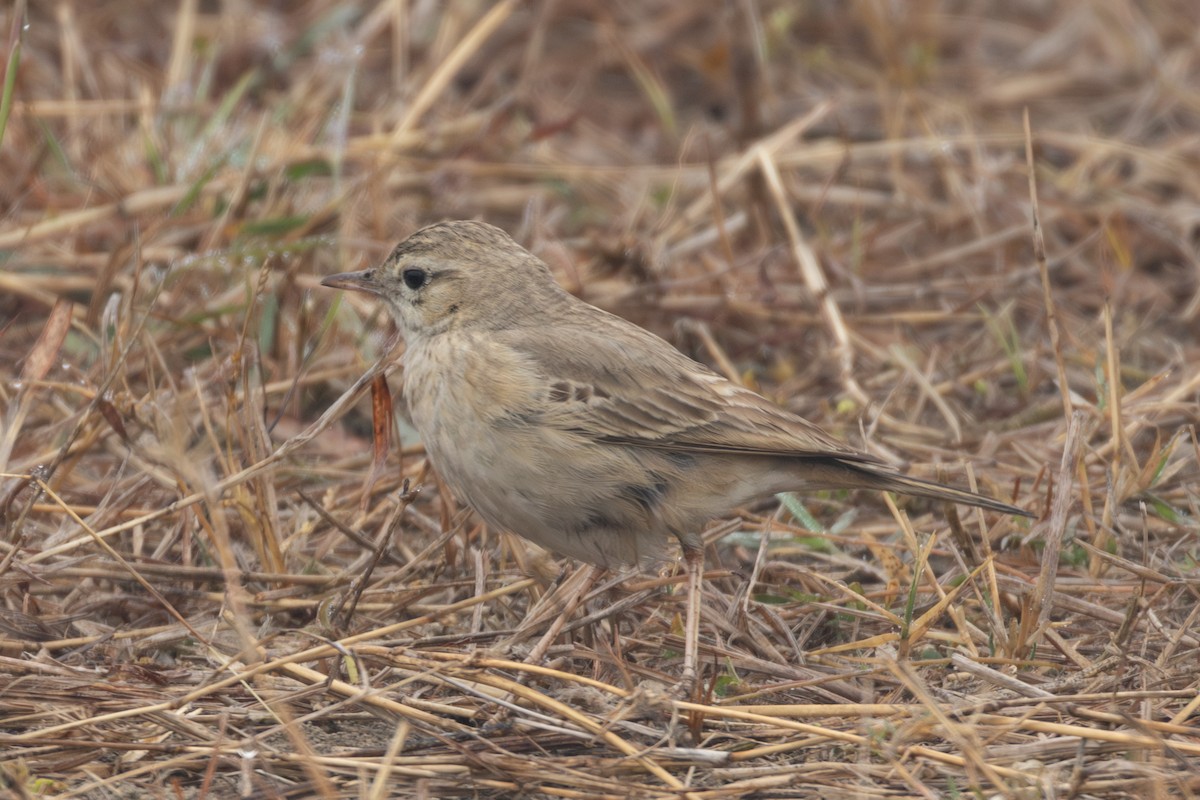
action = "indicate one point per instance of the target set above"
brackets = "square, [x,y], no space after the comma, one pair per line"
[961,236]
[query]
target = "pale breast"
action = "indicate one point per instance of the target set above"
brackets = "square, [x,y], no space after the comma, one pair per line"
[477,406]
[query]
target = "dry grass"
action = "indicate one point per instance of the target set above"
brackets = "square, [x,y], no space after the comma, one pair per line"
[215,586]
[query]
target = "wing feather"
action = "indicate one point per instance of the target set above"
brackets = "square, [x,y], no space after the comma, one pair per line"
[641,392]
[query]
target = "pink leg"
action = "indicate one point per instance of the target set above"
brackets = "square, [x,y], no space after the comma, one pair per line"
[693,558]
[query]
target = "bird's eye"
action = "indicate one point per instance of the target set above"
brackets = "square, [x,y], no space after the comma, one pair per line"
[414,277]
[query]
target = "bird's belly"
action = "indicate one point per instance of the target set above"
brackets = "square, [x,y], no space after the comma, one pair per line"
[570,497]
[564,491]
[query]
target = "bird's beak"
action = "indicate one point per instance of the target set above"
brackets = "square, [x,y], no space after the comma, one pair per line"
[354,281]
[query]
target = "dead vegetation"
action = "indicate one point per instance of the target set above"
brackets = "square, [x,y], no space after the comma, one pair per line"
[219,581]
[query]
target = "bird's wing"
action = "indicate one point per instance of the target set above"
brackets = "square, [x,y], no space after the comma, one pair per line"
[618,383]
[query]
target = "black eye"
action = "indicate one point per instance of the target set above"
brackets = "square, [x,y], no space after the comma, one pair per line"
[414,277]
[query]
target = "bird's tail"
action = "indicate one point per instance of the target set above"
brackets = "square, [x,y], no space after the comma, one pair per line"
[895,482]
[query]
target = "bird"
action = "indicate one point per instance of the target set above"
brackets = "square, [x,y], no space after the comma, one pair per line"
[582,431]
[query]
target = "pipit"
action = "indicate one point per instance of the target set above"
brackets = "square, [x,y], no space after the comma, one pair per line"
[581,431]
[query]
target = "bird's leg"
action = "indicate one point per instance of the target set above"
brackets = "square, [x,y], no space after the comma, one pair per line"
[693,558]
[587,581]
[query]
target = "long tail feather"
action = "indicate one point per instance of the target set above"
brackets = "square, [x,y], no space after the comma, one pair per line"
[894,482]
